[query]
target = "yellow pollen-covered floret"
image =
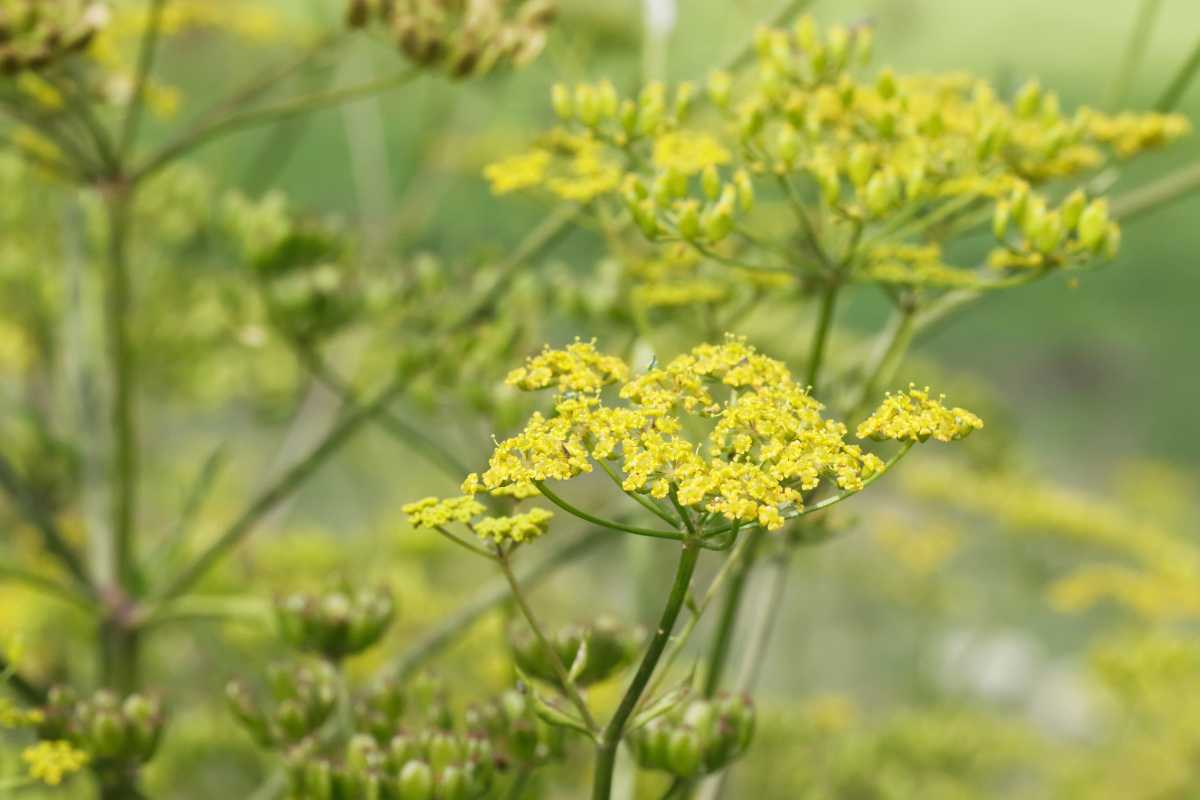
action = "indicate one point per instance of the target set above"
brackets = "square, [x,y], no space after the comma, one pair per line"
[577,368]
[915,416]
[515,528]
[51,761]
[431,512]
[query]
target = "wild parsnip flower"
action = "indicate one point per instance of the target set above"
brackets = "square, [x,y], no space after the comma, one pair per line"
[576,368]
[431,512]
[766,446]
[518,172]
[915,416]
[51,761]
[435,513]
[892,160]
[514,528]
[13,717]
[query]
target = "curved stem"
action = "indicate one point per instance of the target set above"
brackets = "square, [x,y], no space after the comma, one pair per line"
[287,483]
[637,498]
[488,598]
[610,740]
[718,655]
[560,670]
[53,539]
[1135,51]
[149,47]
[604,523]
[297,106]
[48,586]
[1179,84]
[820,340]
[463,543]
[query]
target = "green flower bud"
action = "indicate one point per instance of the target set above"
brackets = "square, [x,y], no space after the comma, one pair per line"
[683,753]
[710,182]
[560,100]
[607,99]
[1029,99]
[318,780]
[864,44]
[1112,240]
[745,190]
[416,781]
[687,219]
[787,146]
[885,84]
[1072,209]
[1092,225]
[587,105]
[860,164]
[839,45]
[881,193]
[645,214]
[106,734]
[717,221]
[452,784]
[685,93]
[1050,233]
[1000,219]
[720,86]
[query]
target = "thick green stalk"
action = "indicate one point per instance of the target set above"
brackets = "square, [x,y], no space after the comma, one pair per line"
[118,302]
[610,739]
[119,638]
[718,655]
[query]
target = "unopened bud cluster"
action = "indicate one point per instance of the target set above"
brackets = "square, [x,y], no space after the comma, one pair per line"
[37,34]
[432,765]
[119,734]
[335,625]
[518,734]
[701,737]
[307,290]
[591,652]
[300,699]
[1038,236]
[465,38]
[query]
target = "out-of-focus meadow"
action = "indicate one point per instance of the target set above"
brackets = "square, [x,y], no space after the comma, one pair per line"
[1016,621]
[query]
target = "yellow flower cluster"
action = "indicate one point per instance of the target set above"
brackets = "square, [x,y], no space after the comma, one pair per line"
[514,528]
[435,513]
[902,157]
[915,416]
[586,172]
[767,444]
[430,512]
[577,368]
[13,717]
[51,761]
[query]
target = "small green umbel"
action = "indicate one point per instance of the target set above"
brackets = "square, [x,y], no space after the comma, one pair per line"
[335,625]
[592,652]
[699,738]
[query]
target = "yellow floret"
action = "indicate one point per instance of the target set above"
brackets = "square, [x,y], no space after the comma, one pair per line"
[914,416]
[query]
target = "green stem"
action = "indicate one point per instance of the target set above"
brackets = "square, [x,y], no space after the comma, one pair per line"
[1150,197]
[297,106]
[1135,51]
[390,422]
[488,598]
[642,501]
[27,690]
[610,739]
[893,342]
[137,101]
[560,670]
[118,301]
[820,340]
[463,543]
[718,656]
[53,539]
[48,586]
[1180,83]
[287,483]
[604,523]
